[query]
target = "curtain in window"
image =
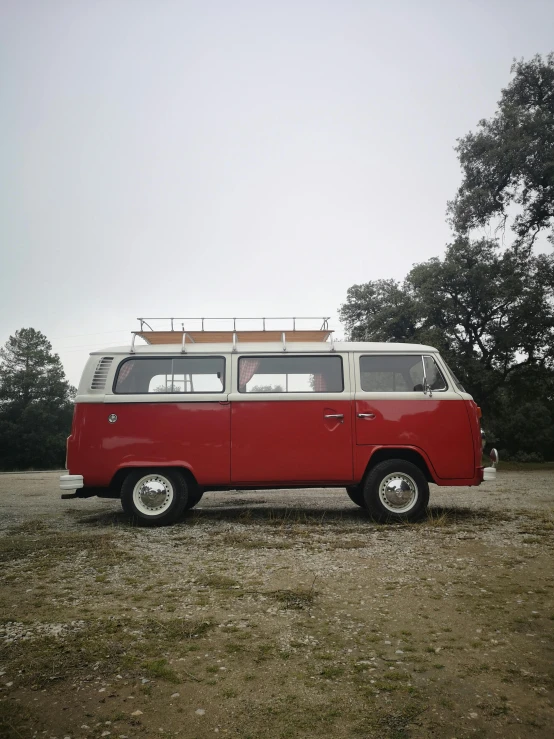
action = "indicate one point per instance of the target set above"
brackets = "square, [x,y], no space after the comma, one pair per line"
[320,383]
[247,370]
[125,371]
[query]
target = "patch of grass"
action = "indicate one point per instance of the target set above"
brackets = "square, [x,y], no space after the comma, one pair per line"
[297,600]
[158,668]
[216,581]
[48,547]
[28,528]
[16,721]
[332,672]
[105,646]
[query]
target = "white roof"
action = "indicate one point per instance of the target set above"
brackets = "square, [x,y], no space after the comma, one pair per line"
[272,348]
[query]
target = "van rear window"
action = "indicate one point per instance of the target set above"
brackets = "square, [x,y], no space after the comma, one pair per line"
[171,375]
[399,374]
[308,374]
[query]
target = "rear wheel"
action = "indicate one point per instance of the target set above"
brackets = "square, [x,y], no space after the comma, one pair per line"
[155,497]
[356,495]
[195,496]
[396,490]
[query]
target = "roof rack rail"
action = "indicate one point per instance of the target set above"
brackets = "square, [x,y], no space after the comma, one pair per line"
[178,330]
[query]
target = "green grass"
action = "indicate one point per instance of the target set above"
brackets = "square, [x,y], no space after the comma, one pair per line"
[106,645]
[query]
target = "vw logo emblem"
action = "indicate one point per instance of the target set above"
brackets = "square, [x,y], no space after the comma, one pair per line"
[112,418]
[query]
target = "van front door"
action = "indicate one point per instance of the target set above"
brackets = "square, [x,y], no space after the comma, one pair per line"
[403,400]
[291,420]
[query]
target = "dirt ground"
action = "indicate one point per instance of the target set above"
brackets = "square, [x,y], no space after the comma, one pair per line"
[278,614]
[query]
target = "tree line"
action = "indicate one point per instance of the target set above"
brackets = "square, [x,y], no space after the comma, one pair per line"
[35,404]
[488,308]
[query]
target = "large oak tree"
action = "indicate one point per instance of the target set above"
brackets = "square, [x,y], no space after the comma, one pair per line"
[491,313]
[508,163]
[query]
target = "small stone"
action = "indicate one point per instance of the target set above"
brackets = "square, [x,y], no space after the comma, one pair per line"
[105,733]
[200,711]
[137,713]
[175,695]
[388,642]
[473,715]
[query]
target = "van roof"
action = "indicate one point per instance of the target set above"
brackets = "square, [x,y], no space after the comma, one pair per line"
[268,348]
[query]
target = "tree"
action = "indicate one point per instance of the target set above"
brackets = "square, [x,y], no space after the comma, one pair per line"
[35,403]
[490,313]
[508,164]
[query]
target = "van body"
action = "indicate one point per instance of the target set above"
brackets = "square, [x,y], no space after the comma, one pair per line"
[157,425]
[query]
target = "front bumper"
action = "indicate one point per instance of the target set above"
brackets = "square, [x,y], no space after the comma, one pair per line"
[489,474]
[71,482]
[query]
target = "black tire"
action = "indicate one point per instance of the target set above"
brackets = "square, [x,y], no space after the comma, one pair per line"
[406,496]
[356,495]
[195,496]
[154,497]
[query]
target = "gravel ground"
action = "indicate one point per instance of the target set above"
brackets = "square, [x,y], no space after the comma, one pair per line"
[278,614]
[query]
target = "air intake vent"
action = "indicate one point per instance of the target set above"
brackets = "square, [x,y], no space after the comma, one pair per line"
[101,373]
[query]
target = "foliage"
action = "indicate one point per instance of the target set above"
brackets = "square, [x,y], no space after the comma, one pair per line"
[508,164]
[491,314]
[35,403]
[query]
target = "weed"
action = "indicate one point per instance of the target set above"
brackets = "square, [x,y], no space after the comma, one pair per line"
[158,668]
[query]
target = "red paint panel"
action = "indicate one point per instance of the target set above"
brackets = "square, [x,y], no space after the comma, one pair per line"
[441,428]
[194,435]
[291,441]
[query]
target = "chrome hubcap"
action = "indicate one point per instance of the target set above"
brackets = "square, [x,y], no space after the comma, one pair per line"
[398,492]
[153,494]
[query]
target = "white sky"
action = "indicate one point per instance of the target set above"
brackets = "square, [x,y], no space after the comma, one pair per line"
[232,158]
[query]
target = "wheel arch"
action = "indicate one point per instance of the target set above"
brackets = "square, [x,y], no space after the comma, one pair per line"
[407,454]
[118,478]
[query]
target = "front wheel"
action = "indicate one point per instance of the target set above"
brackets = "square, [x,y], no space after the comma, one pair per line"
[155,497]
[396,490]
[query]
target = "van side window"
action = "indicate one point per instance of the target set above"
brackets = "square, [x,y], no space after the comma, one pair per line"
[391,374]
[399,374]
[171,375]
[308,374]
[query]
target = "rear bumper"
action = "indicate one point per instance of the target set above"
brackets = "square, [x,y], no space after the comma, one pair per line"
[71,482]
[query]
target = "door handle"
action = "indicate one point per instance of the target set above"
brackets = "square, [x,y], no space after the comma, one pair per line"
[335,415]
[366,415]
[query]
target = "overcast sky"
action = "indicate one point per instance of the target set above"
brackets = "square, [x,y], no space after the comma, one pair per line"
[164,157]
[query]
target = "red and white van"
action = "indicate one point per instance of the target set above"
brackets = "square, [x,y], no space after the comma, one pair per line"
[161,423]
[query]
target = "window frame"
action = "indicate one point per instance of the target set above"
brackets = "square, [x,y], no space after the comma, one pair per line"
[172,393]
[284,393]
[395,393]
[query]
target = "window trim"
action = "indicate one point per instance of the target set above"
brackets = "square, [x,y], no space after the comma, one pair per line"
[172,357]
[399,354]
[290,392]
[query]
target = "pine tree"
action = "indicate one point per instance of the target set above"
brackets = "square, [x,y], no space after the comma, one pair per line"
[35,403]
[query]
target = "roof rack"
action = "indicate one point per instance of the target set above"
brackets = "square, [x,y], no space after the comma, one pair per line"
[174,330]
